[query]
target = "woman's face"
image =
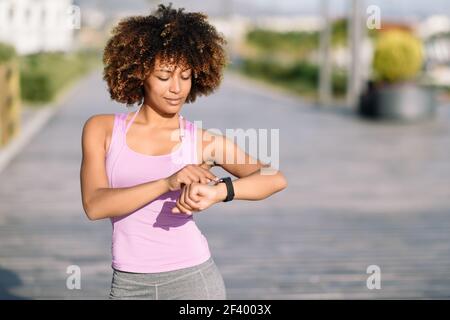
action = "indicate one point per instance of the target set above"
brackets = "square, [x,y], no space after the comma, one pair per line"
[167,87]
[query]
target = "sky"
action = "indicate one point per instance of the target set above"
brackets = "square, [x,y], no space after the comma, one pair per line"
[389,8]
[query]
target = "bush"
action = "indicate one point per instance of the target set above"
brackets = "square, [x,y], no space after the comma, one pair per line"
[43,75]
[273,41]
[7,52]
[295,41]
[302,77]
[398,56]
[36,87]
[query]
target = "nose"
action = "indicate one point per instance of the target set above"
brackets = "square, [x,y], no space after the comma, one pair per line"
[175,85]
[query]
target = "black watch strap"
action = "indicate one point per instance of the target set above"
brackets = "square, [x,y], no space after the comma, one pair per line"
[230,189]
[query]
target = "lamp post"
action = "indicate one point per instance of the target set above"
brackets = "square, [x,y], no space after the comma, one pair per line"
[325,92]
[355,36]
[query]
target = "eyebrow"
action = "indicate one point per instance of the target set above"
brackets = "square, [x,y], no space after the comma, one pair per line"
[165,70]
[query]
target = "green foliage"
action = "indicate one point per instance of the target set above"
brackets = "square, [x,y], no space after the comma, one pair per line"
[7,52]
[295,41]
[282,58]
[269,40]
[301,76]
[339,82]
[339,32]
[43,75]
[398,56]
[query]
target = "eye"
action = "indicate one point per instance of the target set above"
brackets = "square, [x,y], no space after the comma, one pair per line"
[186,78]
[163,79]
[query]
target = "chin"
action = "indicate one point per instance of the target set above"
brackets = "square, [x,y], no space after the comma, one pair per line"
[172,110]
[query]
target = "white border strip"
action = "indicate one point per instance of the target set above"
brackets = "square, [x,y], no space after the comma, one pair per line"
[28,130]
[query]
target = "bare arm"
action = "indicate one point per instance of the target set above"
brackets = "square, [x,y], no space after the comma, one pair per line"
[251,184]
[256,180]
[100,201]
[254,187]
[115,202]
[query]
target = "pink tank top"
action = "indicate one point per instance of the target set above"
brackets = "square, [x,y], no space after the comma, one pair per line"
[152,238]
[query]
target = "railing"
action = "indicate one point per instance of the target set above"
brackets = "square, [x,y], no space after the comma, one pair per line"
[10,106]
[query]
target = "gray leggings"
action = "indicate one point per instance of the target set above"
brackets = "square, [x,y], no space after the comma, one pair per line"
[200,282]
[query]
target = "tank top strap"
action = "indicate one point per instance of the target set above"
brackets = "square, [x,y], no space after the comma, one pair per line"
[116,132]
[132,119]
[181,125]
[194,139]
[191,142]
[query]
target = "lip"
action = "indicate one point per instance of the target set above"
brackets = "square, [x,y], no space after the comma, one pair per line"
[173,101]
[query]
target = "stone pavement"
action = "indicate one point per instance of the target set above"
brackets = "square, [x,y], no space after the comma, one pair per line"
[359,194]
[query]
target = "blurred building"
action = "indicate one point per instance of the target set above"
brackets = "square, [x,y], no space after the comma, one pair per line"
[235,26]
[37,25]
[435,32]
[94,29]
[433,25]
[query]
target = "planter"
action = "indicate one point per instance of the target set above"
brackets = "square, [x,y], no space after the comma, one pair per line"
[403,102]
[10,108]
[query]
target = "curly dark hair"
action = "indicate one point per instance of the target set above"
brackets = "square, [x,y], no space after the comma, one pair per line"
[171,35]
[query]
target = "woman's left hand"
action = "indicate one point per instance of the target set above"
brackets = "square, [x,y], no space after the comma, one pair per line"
[196,197]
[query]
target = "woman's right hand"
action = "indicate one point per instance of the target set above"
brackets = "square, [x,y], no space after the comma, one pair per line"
[189,174]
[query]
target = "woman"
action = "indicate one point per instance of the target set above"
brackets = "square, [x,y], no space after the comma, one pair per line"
[149,170]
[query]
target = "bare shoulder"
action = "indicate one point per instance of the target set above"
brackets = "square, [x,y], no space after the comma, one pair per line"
[99,122]
[100,127]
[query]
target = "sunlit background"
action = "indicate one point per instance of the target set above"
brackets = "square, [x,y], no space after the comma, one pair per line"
[359,91]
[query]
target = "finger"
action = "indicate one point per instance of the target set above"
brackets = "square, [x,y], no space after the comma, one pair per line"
[205,176]
[190,172]
[182,181]
[182,200]
[201,178]
[189,201]
[202,174]
[178,207]
[192,177]
[204,180]
[204,165]
[207,173]
[193,193]
[181,209]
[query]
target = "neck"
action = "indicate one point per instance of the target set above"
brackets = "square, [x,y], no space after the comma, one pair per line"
[156,119]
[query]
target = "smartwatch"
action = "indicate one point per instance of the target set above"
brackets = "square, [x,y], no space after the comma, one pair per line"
[230,189]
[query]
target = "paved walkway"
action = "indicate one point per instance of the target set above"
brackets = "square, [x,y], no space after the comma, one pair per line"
[359,194]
